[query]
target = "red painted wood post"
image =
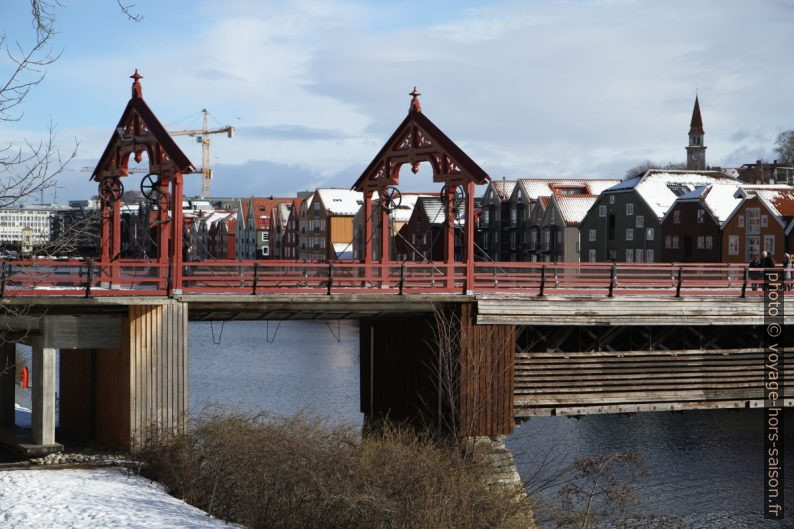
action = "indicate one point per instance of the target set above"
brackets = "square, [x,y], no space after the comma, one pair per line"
[163,228]
[470,236]
[104,243]
[115,252]
[367,235]
[385,239]
[177,234]
[449,235]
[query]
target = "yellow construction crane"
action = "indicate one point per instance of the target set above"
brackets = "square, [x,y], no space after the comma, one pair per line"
[203,137]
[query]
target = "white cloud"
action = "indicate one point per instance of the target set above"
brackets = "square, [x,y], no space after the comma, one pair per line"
[527,88]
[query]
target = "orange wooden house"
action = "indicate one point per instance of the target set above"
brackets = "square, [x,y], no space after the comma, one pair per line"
[759,223]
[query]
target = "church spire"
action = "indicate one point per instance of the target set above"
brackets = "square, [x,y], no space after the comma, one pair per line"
[696,150]
[696,126]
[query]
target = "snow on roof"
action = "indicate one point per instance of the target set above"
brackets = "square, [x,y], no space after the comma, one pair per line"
[343,250]
[407,203]
[780,202]
[340,201]
[538,187]
[660,188]
[573,208]
[718,198]
[503,188]
[434,210]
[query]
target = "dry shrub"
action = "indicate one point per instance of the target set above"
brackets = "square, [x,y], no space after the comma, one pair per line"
[271,472]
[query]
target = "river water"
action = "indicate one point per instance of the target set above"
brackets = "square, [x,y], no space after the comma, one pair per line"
[705,466]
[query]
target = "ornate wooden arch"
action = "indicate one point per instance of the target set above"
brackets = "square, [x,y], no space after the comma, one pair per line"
[138,131]
[417,139]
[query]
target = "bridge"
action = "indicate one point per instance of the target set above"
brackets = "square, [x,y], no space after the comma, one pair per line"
[462,346]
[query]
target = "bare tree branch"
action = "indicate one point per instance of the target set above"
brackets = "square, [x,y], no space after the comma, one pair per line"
[127,10]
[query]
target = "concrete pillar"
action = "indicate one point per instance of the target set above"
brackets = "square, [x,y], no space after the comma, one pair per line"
[7,384]
[43,413]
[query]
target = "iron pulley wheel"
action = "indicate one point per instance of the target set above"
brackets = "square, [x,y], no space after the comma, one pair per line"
[458,198]
[111,189]
[391,198]
[150,187]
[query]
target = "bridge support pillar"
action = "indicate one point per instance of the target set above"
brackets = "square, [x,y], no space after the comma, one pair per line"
[7,384]
[43,397]
[131,383]
[441,372]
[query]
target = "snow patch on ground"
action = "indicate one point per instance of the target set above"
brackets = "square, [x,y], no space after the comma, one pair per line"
[81,499]
[22,416]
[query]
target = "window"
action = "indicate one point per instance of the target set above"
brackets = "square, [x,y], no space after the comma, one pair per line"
[769,244]
[733,245]
[513,216]
[591,255]
[551,217]
[496,237]
[484,242]
[638,255]
[675,242]
[611,199]
[753,221]
[559,237]
[602,211]
[668,242]
[741,221]
[649,255]
[701,241]
[629,234]
[629,208]
[676,216]
[649,234]
[764,221]
[485,216]
[629,255]
[701,214]
[512,240]
[709,242]
[591,235]
[640,221]
[265,236]
[613,254]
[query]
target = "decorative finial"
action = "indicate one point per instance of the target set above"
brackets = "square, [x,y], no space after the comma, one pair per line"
[415,101]
[136,85]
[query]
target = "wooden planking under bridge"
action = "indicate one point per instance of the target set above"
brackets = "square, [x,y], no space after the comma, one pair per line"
[585,356]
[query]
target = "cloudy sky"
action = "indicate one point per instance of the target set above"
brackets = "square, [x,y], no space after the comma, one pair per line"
[314,87]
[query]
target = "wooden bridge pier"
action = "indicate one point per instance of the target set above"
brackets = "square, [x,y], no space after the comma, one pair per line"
[439,371]
[121,375]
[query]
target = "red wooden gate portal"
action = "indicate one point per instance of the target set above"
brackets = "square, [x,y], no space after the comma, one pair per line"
[417,140]
[140,131]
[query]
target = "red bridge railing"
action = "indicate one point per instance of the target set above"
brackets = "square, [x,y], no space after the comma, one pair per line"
[40,277]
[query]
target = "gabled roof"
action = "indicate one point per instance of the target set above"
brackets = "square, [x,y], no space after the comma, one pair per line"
[433,209]
[533,188]
[418,139]
[503,188]
[151,125]
[776,198]
[343,202]
[573,208]
[406,208]
[660,188]
[719,199]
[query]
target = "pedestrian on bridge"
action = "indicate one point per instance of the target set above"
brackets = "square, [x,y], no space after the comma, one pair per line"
[754,273]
